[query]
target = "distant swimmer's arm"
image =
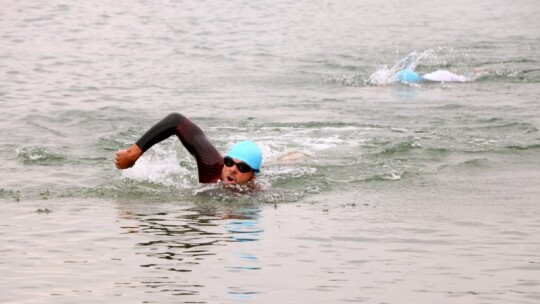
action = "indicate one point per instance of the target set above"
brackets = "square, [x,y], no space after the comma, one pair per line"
[162,130]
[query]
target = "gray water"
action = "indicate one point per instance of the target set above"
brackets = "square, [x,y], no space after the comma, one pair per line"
[404,193]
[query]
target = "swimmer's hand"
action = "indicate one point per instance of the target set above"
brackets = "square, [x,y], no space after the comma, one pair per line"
[126,158]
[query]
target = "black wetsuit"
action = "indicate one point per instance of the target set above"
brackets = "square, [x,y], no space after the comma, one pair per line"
[209,160]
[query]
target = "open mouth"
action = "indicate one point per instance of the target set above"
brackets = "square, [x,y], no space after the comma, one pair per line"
[230,179]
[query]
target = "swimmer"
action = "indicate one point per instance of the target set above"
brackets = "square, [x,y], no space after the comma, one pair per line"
[240,166]
[410,76]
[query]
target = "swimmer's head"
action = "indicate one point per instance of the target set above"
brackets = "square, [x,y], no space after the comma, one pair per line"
[247,152]
[408,76]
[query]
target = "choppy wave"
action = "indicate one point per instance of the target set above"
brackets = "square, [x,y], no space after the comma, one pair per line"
[504,125]
[300,160]
[393,175]
[524,147]
[10,194]
[39,156]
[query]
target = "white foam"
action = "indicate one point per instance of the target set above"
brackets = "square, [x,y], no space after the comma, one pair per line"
[161,165]
[394,175]
[383,76]
[290,171]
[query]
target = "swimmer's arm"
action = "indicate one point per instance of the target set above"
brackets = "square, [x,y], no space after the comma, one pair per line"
[162,130]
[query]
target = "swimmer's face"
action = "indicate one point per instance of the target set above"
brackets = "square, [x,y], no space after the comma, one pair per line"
[232,176]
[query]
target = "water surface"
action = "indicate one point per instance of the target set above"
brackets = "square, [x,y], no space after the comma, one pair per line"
[406,193]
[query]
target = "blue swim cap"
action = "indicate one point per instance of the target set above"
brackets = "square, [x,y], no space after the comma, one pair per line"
[248,152]
[408,76]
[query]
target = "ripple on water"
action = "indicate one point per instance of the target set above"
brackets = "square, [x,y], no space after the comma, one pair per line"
[39,156]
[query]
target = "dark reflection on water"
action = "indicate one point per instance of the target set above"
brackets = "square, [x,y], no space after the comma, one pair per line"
[185,244]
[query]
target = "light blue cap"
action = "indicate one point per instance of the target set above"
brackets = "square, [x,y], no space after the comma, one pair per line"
[248,152]
[408,76]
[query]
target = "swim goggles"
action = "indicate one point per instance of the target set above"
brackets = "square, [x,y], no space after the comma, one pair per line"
[241,166]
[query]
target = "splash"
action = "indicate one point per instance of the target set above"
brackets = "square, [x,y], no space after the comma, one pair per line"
[162,165]
[404,71]
[385,76]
